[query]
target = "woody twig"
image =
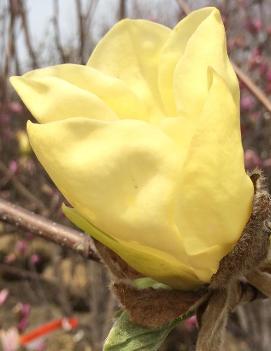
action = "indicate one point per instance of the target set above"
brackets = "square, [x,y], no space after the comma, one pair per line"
[38,225]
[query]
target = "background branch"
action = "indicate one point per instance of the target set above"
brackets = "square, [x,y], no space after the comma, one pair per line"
[58,233]
[57,36]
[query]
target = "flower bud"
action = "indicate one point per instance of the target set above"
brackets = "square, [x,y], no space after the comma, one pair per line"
[144,142]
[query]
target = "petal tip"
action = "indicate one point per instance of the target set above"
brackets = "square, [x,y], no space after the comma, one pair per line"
[31,127]
[14,80]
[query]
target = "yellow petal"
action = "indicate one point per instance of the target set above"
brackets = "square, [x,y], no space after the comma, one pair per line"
[71,89]
[124,163]
[148,261]
[130,51]
[173,50]
[206,47]
[60,92]
[120,175]
[215,194]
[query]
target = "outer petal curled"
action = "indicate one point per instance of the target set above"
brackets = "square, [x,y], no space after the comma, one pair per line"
[52,97]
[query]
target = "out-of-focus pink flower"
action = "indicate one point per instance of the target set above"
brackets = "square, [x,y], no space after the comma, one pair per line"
[268,74]
[236,42]
[3,296]
[191,323]
[256,58]
[252,159]
[10,339]
[268,88]
[263,68]
[23,324]
[10,258]
[267,163]
[247,102]
[34,259]
[24,310]
[13,166]
[21,247]
[4,118]
[254,25]
[243,2]
[15,106]
[29,236]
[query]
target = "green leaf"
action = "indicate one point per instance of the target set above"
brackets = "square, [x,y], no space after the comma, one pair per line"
[146,282]
[128,336]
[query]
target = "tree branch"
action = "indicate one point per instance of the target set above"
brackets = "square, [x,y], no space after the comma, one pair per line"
[58,233]
[254,89]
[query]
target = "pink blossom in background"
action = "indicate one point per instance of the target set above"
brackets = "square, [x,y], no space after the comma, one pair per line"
[23,324]
[263,68]
[21,247]
[34,259]
[267,163]
[243,2]
[255,58]
[15,106]
[268,74]
[254,25]
[247,102]
[191,323]
[13,166]
[10,258]
[3,296]
[9,339]
[24,310]
[29,236]
[268,88]
[252,159]
[4,118]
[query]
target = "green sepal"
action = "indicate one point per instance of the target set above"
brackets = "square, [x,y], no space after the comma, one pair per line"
[128,336]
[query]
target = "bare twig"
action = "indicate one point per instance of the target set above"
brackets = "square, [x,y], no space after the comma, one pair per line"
[89,17]
[9,52]
[184,6]
[25,29]
[58,233]
[122,9]
[81,30]
[57,38]
[251,86]
[21,188]
[254,89]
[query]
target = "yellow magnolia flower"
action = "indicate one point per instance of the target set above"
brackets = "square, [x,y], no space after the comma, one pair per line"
[144,142]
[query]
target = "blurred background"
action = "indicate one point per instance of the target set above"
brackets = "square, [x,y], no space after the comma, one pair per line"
[41,282]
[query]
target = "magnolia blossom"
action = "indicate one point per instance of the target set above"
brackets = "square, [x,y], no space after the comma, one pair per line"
[144,142]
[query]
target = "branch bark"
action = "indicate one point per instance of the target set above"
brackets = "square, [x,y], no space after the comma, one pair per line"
[58,233]
[57,36]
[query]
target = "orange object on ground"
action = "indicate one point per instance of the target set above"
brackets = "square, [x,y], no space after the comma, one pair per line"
[46,329]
